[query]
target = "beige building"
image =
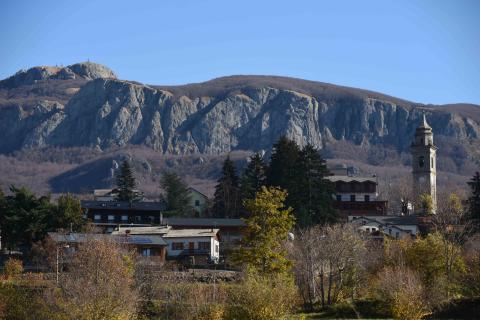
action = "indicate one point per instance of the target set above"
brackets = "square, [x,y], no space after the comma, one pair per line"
[198,201]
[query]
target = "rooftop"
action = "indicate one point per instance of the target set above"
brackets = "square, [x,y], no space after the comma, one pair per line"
[123,205]
[204,222]
[84,237]
[351,179]
[393,220]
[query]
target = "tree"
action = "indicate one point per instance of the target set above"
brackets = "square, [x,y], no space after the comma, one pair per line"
[68,214]
[253,178]
[176,194]
[99,284]
[311,193]
[263,245]
[126,183]
[402,288]
[226,202]
[453,229]
[474,200]
[280,172]
[24,218]
[426,203]
[328,263]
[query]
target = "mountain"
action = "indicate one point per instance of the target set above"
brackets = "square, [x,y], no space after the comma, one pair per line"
[86,106]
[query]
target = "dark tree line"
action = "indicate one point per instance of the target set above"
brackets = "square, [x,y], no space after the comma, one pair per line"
[26,218]
[301,172]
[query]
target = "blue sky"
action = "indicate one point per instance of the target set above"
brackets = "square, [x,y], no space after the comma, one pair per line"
[424,51]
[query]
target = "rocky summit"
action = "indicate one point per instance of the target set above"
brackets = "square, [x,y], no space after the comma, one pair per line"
[86,105]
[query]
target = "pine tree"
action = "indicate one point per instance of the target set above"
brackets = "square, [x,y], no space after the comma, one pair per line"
[177,195]
[226,202]
[266,233]
[126,183]
[311,193]
[474,200]
[253,178]
[280,172]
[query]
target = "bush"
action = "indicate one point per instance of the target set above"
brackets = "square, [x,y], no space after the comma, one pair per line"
[13,268]
[262,298]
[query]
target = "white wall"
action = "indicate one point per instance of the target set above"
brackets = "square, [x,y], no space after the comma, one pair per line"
[359,197]
[186,241]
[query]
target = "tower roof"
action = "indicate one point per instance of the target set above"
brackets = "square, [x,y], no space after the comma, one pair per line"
[424,124]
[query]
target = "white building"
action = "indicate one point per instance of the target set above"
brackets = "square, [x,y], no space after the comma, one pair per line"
[397,227]
[201,244]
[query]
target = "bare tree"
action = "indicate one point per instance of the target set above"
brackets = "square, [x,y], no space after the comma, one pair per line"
[99,282]
[452,224]
[329,261]
[405,292]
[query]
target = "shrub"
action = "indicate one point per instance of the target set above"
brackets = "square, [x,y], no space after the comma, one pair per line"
[262,298]
[13,268]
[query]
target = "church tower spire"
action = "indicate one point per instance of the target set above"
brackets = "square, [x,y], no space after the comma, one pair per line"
[424,163]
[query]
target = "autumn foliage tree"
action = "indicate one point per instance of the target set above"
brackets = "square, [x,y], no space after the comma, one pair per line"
[263,245]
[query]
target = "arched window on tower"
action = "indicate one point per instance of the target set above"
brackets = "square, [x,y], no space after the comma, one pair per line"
[421,161]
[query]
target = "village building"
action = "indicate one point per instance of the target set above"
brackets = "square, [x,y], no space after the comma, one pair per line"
[145,245]
[356,195]
[396,227]
[198,201]
[201,246]
[109,214]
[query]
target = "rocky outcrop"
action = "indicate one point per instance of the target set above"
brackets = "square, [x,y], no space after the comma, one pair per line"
[84,70]
[235,113]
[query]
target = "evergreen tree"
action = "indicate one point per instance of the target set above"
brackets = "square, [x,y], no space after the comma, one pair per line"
[226,202]
[311,193]
[280,172]
[68,214]
[126,183]
[267,230]
[24,218]
[176,194]
[474,200]
[253,178]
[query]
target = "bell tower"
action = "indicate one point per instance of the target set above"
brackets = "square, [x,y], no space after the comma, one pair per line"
[424,162]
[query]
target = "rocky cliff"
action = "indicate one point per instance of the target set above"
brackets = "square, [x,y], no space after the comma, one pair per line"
[215,117]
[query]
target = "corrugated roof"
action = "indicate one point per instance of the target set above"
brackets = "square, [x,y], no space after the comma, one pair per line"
[204,222]
[351,179]
[83,237]
[187,233]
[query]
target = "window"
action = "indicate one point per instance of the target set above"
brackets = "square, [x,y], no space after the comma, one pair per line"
[367,229]
[197,203]
[177,245]
[111,217]
[397,235]
[367,198]
[339,197]
[421,161]
[352,198]
[109,230]
[216,248]
[204,245]
[124,218]
[97,217]
[432,162]
[146,252]
[138,219]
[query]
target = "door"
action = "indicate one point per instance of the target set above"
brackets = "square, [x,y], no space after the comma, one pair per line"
[191,246]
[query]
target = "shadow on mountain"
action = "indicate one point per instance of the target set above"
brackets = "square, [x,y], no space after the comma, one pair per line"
[84,178]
